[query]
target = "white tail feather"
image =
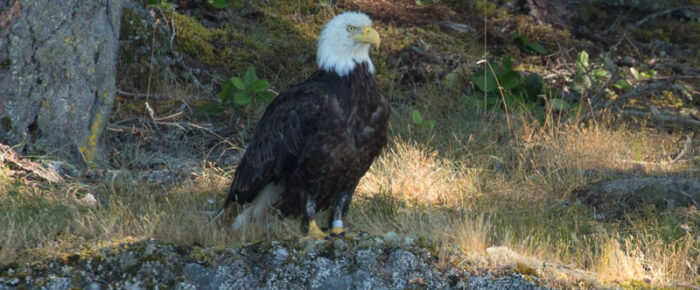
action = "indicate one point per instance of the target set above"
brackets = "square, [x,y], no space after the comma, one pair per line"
[256,209]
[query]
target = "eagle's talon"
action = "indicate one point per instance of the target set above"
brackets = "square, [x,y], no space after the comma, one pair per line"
[337,236]
[314,233]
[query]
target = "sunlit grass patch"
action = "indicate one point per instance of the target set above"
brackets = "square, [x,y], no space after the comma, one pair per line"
[413,174]
[483,196]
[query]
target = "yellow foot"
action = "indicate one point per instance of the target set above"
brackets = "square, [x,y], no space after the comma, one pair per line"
[315,233]
[337,232]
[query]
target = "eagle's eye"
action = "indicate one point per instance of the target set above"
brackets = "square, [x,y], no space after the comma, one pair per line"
[351,28]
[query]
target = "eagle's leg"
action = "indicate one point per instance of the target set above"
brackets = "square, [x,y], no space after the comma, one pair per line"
[338,211]
[309,221]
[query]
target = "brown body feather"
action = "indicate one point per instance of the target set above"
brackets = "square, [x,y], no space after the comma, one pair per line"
[315,141]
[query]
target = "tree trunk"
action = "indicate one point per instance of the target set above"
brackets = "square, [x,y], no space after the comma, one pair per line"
[57,75]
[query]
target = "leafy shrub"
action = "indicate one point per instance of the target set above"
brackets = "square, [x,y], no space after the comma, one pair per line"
[418,120]
[507,88]
[588,76]
[528,46]
[240,92]
[243,91]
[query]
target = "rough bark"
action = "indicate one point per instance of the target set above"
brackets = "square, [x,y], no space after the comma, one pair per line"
[57,75]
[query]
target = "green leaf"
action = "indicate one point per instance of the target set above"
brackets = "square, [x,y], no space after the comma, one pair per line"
[649,74]
[238,83]
[635,73]
[453,81]
[539,114]
[507,77]
[510,80]
[429,124]
[580,69]
[417,117]
[559,104]
[622,84]
[153,2]
[250,76]
[226,91]
[584,81]
[242,97]
[218,3]
[519,40]
[506,65]
[536,47]
[583,58]
[600,73]
[485,82]
[534,86]
[265,97]
[259,85]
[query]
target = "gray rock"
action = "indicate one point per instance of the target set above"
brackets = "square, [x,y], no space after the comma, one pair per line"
[400,261]
[93,286]
[279,256]
[346,265]
[58,283]
[508,282]
[366,259]
[199,276]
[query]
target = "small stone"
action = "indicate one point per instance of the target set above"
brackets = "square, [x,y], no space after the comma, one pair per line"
[89,200]
[149,249]
[339,244]
[391,237]
[279,255]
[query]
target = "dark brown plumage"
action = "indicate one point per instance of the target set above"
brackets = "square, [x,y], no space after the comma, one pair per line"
[315,141]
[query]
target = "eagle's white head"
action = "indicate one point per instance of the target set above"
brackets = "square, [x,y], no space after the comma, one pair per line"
[345,42]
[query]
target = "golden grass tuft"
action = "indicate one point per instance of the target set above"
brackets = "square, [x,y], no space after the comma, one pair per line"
[411,173]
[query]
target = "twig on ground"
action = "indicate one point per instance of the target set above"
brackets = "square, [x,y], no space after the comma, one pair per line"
[686,145]
[661,118]
[692,200]
[657,14]
[142,96]
[10,155]
[640,90]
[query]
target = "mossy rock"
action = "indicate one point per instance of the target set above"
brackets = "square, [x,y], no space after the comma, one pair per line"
[138,42]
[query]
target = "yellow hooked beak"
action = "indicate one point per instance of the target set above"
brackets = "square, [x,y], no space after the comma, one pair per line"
[368,35]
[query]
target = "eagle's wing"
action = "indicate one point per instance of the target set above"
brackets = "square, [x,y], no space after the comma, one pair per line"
[280,138]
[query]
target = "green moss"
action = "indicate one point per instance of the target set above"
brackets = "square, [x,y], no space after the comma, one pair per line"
[526,270]
[545,35]
[204,255]
[209,45]
[593,16]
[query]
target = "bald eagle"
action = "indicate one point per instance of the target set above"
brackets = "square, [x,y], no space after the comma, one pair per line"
[317,138]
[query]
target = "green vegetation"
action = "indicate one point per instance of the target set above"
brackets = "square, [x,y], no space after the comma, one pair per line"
[493,171]
[417,118]
[243,91]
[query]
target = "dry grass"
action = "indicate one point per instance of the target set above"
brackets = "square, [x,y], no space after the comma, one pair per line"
[411,173]
[498,196]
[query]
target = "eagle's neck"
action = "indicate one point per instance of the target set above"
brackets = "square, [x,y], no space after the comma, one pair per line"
[342,58]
